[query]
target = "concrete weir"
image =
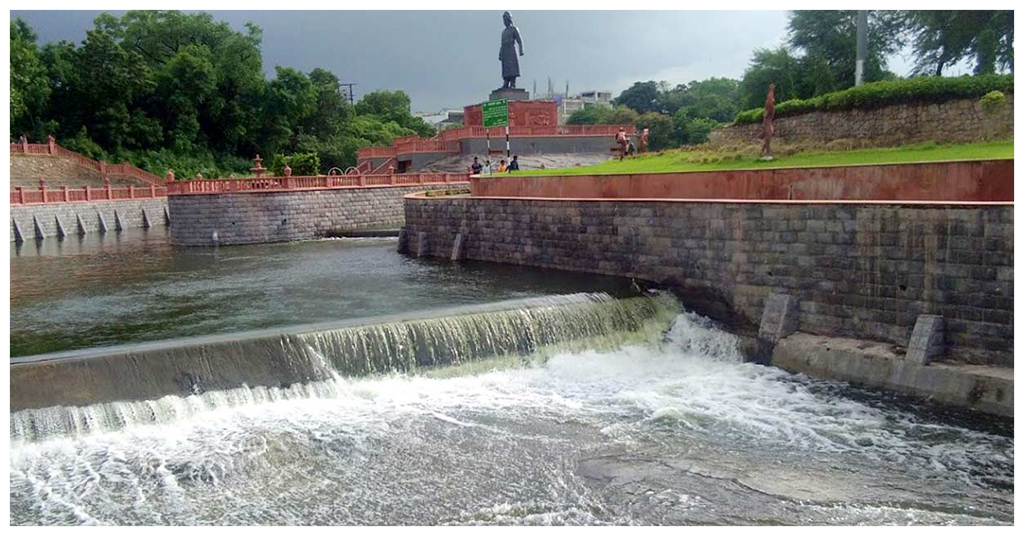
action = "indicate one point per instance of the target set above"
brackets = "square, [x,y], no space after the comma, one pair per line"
[311,353]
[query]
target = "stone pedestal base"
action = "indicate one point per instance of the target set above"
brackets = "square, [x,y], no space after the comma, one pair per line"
[510,94]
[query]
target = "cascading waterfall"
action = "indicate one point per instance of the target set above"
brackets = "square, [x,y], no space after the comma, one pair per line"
[627,412]
[314,363]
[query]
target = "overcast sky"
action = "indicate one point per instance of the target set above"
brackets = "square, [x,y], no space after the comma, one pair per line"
[450,58]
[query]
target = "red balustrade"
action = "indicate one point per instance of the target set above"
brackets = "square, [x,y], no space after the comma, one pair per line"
[21,196]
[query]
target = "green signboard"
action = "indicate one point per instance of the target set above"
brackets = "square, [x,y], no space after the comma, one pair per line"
[495,113]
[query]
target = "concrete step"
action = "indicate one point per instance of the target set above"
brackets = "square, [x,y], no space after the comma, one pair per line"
[875,364]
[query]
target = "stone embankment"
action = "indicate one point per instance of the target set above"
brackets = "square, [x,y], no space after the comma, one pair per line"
[956,121]
[254,217]
[51,220]
[864,271]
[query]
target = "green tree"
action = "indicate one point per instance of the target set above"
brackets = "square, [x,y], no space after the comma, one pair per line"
[590,115]
[289,99]
[942,38]
[111,84]
[832,35]
[777,67]
[641,97]
[29,88]
[662,131]
[623,115]
[691,130]
[393,106]
[714,98]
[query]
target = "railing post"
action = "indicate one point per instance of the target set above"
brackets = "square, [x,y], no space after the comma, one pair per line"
[42,188]
[103,167]
[131,191]
[152,191]
[86,192]
[106,185]
[64,193]
[21,195]
[362,180]
[50,142]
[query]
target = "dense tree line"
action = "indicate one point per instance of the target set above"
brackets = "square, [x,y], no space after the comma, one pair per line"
[170,90]
[819,57]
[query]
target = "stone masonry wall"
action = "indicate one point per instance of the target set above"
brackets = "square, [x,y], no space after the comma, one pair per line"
[246,218]
[128,211]
[860,270]
[956,121]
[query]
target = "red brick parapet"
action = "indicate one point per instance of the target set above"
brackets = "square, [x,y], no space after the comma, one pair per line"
[968,181]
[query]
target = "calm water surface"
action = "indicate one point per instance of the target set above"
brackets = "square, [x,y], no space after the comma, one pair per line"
[134,286]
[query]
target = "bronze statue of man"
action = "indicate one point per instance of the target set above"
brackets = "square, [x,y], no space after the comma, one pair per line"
[507,55]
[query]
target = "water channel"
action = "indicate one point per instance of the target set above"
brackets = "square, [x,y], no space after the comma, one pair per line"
[650,417]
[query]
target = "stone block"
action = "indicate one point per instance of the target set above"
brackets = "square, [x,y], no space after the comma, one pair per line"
[38,228]
[927,341]
[19,237]
[780,317]
[421,244]
[61,233]
[459,247]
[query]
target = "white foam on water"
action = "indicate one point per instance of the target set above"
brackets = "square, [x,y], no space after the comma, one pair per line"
[522,427]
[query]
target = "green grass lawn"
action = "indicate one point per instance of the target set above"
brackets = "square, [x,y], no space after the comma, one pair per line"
[681,160]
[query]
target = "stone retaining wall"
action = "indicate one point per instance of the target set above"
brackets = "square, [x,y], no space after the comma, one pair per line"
[128,212]
[246,218]
[956,121]
[860,270]
[27,169]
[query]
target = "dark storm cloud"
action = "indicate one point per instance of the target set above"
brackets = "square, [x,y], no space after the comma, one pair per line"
[450,58]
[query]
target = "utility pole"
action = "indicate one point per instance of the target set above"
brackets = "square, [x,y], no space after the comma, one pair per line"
[351,96]
[862,46]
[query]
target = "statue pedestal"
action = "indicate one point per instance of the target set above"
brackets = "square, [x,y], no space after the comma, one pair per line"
[510,94]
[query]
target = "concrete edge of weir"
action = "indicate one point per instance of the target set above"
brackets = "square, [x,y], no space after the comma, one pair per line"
[986,389]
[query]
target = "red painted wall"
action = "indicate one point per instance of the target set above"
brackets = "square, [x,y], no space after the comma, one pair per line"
[988,180]
[520,113]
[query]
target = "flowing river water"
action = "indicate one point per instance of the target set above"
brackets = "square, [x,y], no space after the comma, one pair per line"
[589,409]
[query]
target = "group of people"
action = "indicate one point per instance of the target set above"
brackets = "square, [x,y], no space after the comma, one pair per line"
[626,147]
[487,168]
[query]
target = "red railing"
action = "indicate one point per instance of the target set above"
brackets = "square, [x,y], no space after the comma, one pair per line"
[123,169]
[22,196]
[376,152]
[320,182]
